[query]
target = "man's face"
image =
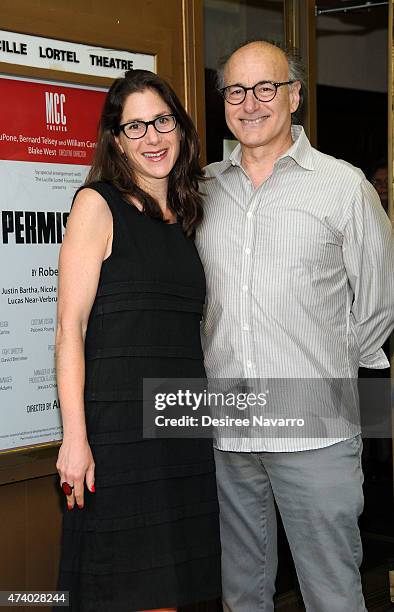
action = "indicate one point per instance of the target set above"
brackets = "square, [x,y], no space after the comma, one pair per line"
[380,182]
[254,123]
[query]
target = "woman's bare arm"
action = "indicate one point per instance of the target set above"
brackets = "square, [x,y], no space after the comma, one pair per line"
[87,242]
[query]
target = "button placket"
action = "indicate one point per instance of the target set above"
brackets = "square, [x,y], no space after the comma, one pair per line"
[245,288]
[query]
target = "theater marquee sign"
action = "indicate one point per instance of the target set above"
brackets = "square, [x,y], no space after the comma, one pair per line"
[47,141]
[38,52]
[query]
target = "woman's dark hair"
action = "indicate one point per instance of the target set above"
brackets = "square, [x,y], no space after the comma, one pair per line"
[109,164]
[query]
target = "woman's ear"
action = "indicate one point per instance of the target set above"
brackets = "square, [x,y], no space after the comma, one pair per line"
[118,144]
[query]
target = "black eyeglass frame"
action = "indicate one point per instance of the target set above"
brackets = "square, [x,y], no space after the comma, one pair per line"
[246,89]
[121,128]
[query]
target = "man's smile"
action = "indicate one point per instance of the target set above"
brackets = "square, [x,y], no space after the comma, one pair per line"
[252,122]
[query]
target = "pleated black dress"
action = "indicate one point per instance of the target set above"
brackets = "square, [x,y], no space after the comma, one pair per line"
[149,536]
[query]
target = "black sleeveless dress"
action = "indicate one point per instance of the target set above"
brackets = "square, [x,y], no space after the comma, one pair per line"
[149,536]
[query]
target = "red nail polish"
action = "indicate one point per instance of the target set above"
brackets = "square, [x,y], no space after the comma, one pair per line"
[92,490]
[69,507]
[80,507]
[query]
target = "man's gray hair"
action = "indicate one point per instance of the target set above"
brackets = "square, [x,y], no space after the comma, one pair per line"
[296,67]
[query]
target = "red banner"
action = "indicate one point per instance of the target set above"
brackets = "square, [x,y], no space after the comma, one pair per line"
[48,123]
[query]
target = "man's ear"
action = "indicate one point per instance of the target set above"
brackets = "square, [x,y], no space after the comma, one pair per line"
[295,90]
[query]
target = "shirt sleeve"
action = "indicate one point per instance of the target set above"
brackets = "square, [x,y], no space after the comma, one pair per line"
[368,252]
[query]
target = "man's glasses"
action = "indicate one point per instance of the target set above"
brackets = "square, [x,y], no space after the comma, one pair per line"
[138,129]
[264,91]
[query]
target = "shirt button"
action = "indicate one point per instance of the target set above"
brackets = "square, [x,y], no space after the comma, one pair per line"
[249,214]
[244,287]
[249,364]
[247,251]
[245,327]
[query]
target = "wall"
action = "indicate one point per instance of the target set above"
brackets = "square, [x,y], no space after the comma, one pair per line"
[352,50]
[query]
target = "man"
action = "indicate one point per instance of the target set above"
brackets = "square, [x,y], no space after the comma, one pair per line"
[380,182]
[299,262]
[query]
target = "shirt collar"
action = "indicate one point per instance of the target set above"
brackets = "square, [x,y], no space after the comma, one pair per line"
[236,156]
[300,151]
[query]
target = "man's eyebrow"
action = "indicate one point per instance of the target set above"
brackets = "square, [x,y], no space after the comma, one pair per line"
[257,82]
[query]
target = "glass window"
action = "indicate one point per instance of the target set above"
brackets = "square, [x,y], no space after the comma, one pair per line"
[227,24]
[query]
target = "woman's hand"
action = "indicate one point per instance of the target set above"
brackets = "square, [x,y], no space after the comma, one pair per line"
[75,463]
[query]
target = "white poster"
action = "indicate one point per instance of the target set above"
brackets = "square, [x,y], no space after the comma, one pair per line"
[47,140]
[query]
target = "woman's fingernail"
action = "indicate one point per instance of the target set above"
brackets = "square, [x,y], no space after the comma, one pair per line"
[69,507]
[92,489]
[80,507]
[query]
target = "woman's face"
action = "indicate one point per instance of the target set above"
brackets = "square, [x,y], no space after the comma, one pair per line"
[153,156]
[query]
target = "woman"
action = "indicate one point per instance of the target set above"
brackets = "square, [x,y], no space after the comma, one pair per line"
[141,529]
